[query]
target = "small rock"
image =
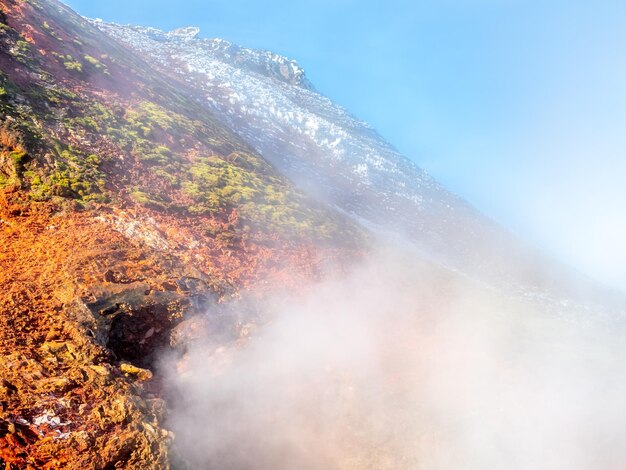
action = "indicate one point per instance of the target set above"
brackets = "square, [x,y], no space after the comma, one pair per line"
[99,369]
[188,331]
[142,374]
[55,346]
[169,286]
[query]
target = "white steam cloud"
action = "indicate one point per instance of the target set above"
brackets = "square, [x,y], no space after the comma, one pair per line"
[401,365]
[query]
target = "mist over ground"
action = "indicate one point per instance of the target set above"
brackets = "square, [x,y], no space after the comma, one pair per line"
[400,365]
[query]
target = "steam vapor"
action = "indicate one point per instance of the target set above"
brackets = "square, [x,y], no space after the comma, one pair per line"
[401,365]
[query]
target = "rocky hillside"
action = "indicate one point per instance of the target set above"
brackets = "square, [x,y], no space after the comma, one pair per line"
[125,209]
[343,162]
[154,185]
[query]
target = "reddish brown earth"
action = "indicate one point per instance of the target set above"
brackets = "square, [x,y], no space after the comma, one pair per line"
[67,400]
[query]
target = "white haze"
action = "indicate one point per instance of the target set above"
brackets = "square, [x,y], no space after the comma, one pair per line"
[402,365]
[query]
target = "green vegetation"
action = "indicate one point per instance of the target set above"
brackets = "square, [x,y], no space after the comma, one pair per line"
[75,175]
[19,157]
[17,120]
[149,200]
[95,64]
[13,154]
[51,31]
[209,185]
[151,144]
[57,95]
[197,166]
[73,66]
[21,51]
[69,62]
[93,61]
[159,155]
[215,184]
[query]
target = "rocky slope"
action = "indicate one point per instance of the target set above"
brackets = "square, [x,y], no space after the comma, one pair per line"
[343,162]
[125,209]
[153,183]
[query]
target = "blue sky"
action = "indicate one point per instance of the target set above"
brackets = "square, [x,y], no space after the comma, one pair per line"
[518,106]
